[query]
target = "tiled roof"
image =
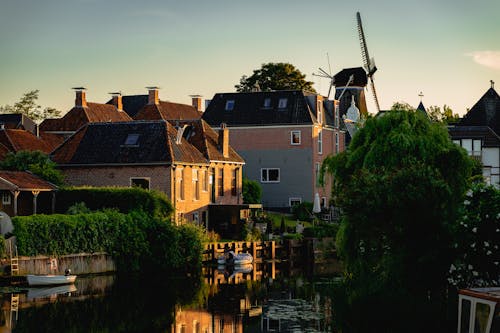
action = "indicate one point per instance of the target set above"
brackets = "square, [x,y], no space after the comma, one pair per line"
[23,181]
[16,140]
[486,112]
[485,133]
[249,109]
[137,142]
[167,111]
[79,116]
[132,104]
[17,121]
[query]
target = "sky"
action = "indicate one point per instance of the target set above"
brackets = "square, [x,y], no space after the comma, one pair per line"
[447,49]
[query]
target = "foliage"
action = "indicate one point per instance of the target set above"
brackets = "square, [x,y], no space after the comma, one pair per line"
[400,185]
[445,116]
[27,105]
[36,162]
[293,236]
[477,262]
[136,240]
[282,225]
[303,211]
[322,230]
[275,76]
[252,191]
[78,208]
[125,199]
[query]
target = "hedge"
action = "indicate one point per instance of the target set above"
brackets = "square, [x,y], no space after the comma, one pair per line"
[125,199]
[136,241]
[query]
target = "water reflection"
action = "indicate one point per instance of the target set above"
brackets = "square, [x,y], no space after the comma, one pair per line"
[260,298]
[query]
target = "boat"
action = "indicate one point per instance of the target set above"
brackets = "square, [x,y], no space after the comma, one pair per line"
[479,310]
[230,258]
[50,279]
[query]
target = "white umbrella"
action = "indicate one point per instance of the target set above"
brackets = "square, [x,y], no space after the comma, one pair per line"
[317,204]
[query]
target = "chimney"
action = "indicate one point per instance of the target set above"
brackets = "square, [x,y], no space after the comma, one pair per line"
[224,140]
[153,95]
[197,102]
[117,100]
[81,100]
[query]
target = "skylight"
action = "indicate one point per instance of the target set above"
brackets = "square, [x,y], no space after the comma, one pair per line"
[132,140]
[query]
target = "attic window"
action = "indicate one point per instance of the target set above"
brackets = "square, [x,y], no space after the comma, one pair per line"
[282,103]
[132,140]
[230,105]
[267,103]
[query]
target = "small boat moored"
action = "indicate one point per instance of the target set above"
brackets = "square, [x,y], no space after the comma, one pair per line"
[230,258]
[51,279]
[479,310]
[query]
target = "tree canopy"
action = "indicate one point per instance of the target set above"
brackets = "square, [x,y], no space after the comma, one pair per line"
[36,162]
[252,191]
[400,185]
[28,106]
[275,76]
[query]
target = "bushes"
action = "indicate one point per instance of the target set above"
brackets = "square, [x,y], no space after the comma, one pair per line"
[136,240]
[123,199]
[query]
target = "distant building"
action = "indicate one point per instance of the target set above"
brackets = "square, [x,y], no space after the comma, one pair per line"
[478,132]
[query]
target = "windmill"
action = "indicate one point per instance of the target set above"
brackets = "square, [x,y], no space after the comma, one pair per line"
[368,62]
[327,75]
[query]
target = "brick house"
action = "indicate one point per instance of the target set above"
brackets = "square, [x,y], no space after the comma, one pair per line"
[478,132]
[283,136]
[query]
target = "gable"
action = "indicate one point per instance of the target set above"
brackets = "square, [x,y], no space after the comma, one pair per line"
[486,112]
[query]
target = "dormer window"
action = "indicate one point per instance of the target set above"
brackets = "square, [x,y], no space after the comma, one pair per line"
[132,140]
[267,103]
[282,103]
[230,105]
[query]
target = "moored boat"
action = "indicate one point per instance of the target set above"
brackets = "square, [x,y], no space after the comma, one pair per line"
[230,258]
[479,310]
[50,279]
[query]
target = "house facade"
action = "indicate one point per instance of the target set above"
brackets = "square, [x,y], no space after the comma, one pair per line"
[283,136]
[478,132]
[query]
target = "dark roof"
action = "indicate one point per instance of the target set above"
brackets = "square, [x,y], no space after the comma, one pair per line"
[421,109]
[486,112]
[23,181]
[17,121]
[485,133]
[106,143]
[79,116]
[167,111]
[249,109]
[132,104]
[360,78]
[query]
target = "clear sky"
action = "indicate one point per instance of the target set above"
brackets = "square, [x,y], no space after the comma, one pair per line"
[448,49]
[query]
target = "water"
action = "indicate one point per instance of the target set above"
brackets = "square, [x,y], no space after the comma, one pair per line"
[259,298]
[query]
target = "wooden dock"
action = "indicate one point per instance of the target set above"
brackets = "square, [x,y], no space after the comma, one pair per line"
[260,250]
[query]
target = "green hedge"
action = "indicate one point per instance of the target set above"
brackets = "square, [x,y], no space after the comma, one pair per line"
[125,199]
[136,241]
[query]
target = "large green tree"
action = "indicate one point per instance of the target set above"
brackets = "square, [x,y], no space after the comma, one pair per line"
[28,106]
[36,162]
[400,185]
[275,76]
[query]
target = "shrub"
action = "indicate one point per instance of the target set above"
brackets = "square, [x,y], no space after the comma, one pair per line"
[302,211]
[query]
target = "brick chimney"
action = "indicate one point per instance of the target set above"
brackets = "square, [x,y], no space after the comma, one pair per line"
[80,100]
[197,102]
[117,100]
[224,140]
[153,95]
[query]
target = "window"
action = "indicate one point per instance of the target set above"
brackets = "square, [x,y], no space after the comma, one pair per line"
[269,175]
[323,202]
[294,201]
[220,182]
[180,182]
[319,111]
[132,140]
[316,172]
[337,143]
[6,198]
[320,142]
[205,180]
[230,105]
[196,185]
[234,182]
[140,182]
[267,103]
[196,218]
[295,137]
[212,184]
[282,103]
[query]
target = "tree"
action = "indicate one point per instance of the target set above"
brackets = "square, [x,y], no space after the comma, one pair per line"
[275,76]
[27,105]
[445,116]
[400,185]
[36,162]
[252,192]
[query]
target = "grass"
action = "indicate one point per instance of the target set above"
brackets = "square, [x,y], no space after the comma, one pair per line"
[290,222]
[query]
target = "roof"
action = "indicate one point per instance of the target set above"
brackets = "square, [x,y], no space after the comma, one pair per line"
[15,140]
[485,133]
[167,111]
[249,108]
[23,181]
[79,116]
[17,121]
[137,142]
[132,104]
[342,77]
[486,112]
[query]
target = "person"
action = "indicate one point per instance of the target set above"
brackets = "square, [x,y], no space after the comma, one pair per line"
[67,272]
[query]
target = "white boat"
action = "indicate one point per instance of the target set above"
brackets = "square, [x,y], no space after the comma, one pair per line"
[50,279]
[230,258]
[479,310]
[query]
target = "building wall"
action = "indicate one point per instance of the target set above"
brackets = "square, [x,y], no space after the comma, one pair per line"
[491,161]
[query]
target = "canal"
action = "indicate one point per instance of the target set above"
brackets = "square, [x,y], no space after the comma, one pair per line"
[262,297]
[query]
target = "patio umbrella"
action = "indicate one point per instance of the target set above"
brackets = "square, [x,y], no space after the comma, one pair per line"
[317,204]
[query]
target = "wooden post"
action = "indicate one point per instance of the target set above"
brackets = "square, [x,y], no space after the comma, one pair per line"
[273,250]
[35,196]
[254,250]
[15,194]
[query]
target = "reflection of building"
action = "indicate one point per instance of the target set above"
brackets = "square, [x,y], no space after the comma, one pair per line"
[202,321]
